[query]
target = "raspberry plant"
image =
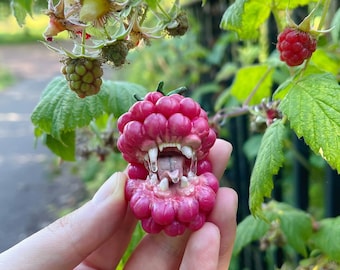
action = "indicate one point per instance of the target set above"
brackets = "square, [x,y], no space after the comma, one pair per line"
[299,95]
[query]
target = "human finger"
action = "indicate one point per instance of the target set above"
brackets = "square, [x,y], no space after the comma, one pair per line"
[224,216]
[219,156]
[202,250]
[69,240]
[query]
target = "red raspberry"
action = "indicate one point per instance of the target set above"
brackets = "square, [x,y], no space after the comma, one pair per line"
[295,46]
[166,140]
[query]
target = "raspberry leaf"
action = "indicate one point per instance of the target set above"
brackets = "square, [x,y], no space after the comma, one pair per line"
[248,230]
[327,238]
[122,96]
[65,147]
[249,78]
[291,4]
[295,224]
[20,9]
[312,107]
[268,162]
[60,110]
[245,17]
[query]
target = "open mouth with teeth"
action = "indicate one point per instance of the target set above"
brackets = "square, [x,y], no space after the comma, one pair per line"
[171,164]
[166,140]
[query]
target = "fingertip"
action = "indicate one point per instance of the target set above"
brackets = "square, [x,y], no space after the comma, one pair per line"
[202,251]
[114,187]
[219,156]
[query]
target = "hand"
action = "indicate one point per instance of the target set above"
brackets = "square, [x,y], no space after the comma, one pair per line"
[96,235]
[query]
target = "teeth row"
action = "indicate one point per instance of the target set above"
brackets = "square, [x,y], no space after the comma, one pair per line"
[164,145]
[153,153]
[164,183]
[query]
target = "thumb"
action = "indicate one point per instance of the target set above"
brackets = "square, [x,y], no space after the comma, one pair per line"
[70,239]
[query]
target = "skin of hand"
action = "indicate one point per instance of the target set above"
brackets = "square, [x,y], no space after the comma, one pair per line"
[96,235]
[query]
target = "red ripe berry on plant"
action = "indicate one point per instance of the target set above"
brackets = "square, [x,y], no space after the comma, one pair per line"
[295,46]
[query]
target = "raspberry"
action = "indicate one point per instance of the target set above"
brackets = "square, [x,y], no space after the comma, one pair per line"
[166,140]
[179,26]
[295,46]
[116,52]
[83,75]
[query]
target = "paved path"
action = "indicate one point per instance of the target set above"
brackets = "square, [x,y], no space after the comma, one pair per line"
[29,192]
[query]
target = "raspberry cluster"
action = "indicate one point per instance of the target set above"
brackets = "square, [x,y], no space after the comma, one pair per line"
[83,75]
[295,46]
[166,140]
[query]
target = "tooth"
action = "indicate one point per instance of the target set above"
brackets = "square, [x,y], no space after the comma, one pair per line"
[153,179]
[178,146]
[161,147]
[187,151]
[184,181]
[153,153]
[191,174]
[174,176]
[164,184]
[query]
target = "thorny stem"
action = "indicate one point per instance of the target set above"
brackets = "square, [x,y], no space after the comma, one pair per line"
[257,86]
[221,116]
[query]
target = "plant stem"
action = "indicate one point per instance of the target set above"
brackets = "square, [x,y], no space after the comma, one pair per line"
[277,19]
[325,11]
[83,41]
[257,86]
[163,11]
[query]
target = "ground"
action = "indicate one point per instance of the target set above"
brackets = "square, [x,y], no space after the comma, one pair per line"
[33,188]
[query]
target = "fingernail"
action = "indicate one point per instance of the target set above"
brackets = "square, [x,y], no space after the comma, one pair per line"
[114,186]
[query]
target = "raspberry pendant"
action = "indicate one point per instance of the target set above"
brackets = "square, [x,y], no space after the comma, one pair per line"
[166,140]
[295,46]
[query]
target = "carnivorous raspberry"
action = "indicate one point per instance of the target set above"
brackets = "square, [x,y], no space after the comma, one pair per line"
[166,140]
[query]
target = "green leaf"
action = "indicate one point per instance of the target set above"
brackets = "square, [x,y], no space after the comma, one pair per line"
[313,109]
[252,145]
[61,110]
[20,9]
[291,4]
[296,226]
[327,238]
[249,78]
[335,33]
[152,3]
[268,162]
[64,147]
[326,61]
[121,96]
[248,230]
[245,17]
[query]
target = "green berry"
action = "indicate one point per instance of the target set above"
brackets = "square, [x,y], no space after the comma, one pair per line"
[84,75]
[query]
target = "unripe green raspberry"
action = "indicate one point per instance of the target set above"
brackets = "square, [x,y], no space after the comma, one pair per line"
[116,52]
[84,75]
